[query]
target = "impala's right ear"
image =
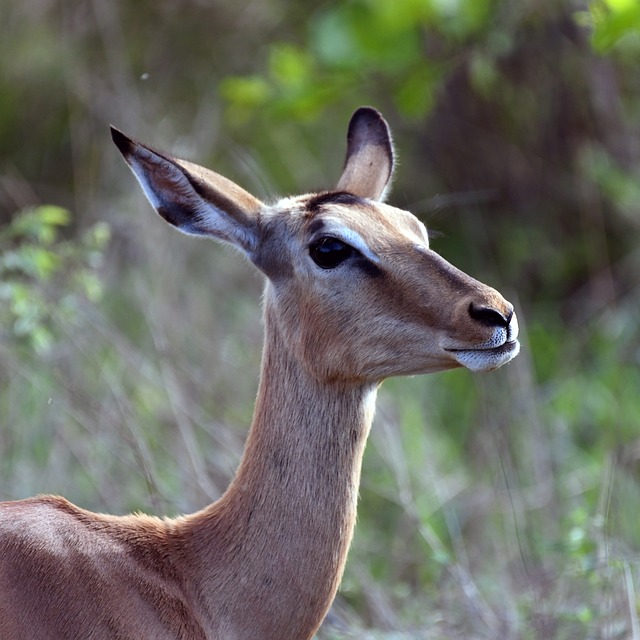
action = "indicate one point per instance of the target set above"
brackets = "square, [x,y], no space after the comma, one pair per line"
[368,167]
[195,200]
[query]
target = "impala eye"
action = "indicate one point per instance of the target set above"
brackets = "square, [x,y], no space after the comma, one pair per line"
[329,252]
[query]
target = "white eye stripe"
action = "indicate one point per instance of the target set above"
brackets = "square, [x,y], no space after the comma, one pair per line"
[350,237]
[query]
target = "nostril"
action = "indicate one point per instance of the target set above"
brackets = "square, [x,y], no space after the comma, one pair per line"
[489,316]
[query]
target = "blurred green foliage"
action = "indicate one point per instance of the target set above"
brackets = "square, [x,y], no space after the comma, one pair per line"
[500,506]
[42,275]
[348,45]
[615,23]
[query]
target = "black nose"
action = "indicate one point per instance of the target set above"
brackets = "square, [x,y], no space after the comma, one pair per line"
[489,316]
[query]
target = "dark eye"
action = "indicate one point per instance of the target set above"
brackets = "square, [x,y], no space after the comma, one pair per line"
[329,252]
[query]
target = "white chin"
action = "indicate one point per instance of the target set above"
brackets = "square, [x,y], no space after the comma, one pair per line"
[486,359]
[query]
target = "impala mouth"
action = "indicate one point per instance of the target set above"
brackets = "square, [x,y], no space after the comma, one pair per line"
[486,359]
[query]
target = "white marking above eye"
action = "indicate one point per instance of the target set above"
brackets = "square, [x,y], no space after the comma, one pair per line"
[352,238]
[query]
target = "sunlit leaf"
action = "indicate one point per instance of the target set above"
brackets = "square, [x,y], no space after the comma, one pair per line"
[612,22]
[290,65]
[245,91]
[52,215]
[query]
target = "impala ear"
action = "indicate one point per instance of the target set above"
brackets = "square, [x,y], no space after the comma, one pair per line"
[196,200]
[368,166]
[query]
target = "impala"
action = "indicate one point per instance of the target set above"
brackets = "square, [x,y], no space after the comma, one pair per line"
[353,295]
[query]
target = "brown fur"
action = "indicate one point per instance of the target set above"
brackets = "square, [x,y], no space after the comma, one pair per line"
[265,561]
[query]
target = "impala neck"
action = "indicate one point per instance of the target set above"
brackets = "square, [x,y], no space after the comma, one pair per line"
[287,519]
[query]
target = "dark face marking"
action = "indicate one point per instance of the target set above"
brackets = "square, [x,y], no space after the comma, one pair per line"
[316,226]
[333,197]
[367,267]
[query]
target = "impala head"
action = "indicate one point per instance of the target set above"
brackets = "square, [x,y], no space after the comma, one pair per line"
[353,287]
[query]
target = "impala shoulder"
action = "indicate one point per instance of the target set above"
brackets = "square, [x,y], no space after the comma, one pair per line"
[18,510]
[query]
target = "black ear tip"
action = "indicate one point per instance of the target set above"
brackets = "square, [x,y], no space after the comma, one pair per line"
[367,113]
[121,141]
[371,123]
[367,116]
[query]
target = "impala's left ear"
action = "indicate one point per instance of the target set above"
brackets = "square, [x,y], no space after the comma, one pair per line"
[196,200]
[369,163]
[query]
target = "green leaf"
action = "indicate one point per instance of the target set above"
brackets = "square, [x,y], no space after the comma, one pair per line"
[417,92]
[43,277]
[41,223]
[360,37]
[53,215]
[245,91]
[613,21]
[290,66]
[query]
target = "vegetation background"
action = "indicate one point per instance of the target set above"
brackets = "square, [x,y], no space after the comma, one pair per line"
[493,506]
